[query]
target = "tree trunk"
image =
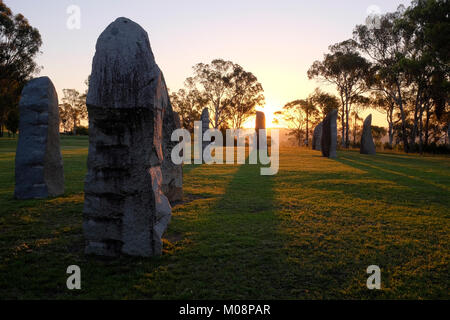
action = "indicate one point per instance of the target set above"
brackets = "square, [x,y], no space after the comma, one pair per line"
[216,119]
[448,134]
[347,141]
[402,113]
[421,131]
[307,133]
[343,120]
[391,125]
[427,123]
[74,130]
[417,108]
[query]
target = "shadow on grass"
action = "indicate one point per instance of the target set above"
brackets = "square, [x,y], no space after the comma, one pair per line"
[237,242]
[341,216]
[420,180]
[233,246]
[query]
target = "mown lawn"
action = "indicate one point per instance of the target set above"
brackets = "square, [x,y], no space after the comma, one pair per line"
[307,233]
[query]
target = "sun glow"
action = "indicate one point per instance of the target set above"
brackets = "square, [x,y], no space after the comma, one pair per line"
[269,111]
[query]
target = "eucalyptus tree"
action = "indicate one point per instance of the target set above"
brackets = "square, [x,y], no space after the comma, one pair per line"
[426,29]
[188,102]
[347,70]
[19,46]
[294,118]
[325,102]
[246,95]
[73,109]
[231,93]
[303,109]
[384,44]
[386,105]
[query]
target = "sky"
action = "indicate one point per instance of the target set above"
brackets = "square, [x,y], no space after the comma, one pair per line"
[276,40]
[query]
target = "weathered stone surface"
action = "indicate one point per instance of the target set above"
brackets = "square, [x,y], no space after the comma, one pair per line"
[367,144]
[329,135]
[317,137]
[39,166]
[205,126]
[176,119]
[260,124]
[172,183]
[125,210]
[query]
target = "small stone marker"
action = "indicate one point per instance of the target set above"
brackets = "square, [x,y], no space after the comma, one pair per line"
[39,165]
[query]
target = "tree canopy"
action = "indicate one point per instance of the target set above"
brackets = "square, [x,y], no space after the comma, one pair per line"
[229,92]
[19,46]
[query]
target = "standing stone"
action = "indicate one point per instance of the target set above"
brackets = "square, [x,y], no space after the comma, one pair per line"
[260,124]
[367,145]
[125,210]
[172,185]
[39,165]
[205,127]
[329,135]
[317,137]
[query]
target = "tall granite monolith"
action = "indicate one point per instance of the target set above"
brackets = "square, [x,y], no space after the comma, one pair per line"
[39,165]
[317,137]
[125,210]
[367,144]
[329,135]
[260,124]
[172,173]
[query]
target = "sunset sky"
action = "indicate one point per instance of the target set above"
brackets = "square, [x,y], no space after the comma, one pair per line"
[275,40]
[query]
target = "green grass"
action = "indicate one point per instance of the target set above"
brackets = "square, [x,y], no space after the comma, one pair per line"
[307,233]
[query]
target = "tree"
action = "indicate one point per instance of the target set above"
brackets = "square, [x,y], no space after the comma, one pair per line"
[188,102]
[378,133]
[215,80]
[346,69]
[305,107]
[12,121]
[409,49]
[247,93]
[73,109]
[426,29]
[325,102]
[355,128]
[10,90]
[295,121]
[385,104]
[19,45]
[384,44]
[231,93]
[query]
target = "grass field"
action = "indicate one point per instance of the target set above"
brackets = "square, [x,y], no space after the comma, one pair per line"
[308,232]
